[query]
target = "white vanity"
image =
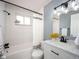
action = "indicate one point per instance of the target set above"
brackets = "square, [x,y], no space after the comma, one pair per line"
[58,50]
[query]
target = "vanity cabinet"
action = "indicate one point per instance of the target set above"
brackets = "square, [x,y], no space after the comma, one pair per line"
[52,52]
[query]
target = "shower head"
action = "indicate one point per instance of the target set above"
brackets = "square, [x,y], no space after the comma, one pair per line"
[6,12]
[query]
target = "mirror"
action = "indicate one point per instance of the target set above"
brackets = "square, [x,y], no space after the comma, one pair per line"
[68,24]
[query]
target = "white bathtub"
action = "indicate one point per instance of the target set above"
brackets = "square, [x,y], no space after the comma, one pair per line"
[20,52]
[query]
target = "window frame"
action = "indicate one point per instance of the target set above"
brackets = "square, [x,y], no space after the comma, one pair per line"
[23,20]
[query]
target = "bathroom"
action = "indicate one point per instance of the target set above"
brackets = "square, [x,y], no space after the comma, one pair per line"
[26,31]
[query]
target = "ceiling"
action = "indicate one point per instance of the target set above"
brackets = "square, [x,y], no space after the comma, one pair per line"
[35,5]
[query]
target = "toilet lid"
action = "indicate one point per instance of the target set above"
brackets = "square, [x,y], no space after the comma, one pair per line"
[37,52]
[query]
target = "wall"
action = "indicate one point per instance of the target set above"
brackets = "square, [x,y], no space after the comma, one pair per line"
[31,4]
[47,22]
[17,34]
[2,17]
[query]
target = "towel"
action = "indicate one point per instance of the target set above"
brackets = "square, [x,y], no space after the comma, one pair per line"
[64,31]
[77,40]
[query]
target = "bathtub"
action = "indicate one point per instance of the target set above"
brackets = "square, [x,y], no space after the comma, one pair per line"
[19,52]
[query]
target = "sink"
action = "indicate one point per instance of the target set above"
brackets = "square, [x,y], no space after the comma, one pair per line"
[72,42]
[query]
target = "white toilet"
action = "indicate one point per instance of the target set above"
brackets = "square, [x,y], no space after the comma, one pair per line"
[37,54]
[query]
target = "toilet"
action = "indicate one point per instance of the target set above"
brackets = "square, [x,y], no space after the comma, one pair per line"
[37,54]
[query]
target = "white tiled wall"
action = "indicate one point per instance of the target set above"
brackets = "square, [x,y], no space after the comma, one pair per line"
[2,17]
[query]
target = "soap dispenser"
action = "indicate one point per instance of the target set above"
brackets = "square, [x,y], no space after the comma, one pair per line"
[77,40]
[62,39]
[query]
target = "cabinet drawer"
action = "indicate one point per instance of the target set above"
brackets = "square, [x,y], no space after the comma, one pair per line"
[52,50]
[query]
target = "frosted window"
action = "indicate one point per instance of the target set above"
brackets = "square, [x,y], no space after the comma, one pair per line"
[23,20]
[27,20]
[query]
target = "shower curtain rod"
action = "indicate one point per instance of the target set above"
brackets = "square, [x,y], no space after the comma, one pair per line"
[21,7]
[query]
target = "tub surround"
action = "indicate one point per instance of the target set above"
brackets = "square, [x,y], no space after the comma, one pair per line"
[19,51]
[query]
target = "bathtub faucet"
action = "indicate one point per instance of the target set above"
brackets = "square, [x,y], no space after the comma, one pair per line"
[6,45]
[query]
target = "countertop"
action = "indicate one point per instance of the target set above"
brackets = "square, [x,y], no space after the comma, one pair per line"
[69,46]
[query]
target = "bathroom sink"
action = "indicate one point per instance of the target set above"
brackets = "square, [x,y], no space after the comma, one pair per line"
[69,46]
[73,43]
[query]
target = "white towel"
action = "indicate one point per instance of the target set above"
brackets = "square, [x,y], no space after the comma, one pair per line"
[1,37]
[64,31]
[77,40]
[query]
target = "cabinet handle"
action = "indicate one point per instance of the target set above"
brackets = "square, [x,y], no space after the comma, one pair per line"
[55,53]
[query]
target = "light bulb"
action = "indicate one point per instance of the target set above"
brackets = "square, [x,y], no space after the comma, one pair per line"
[58,14]
[66,11]
[55,11]
[73,4]
[76,7]
[62,8]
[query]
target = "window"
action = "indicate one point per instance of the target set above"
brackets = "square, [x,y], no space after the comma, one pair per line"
[19,19]
[23,20]
[27,20]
